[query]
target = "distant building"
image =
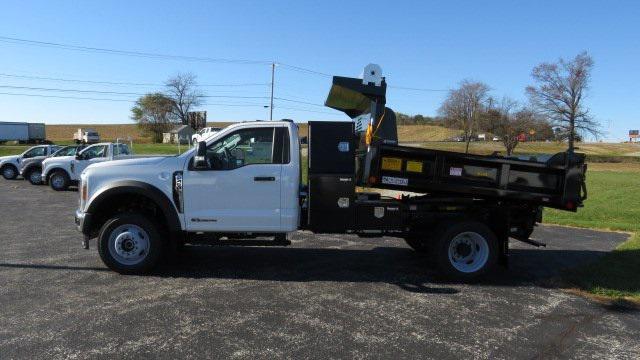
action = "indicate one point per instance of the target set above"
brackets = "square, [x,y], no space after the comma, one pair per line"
[634,135]
[180,133]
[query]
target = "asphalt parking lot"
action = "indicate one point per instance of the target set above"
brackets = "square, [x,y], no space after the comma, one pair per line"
[322,297]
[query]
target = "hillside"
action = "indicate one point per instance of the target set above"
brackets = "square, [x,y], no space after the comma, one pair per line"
[64,133]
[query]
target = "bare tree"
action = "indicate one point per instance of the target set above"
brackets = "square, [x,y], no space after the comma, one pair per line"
[183,90]
[154,114]
[559,94]
[512,120]
[463,107]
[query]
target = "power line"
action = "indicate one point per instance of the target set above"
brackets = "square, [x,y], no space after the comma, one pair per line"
[304,70]
[417,89]
[119,93]
[299,102]
[122,83]
[12,40]
[116,100]
[300,69]
[305,110]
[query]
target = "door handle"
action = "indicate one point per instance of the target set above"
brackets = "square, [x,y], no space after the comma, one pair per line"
[264,178]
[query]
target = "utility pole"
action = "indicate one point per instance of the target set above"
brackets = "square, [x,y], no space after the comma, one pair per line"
[273,71]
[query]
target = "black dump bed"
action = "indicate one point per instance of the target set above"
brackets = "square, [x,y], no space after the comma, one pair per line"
[555,181]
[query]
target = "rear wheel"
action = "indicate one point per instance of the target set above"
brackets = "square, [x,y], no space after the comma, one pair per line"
[130,243]
[34,176]
[9,172]
[466,250]
[59,180]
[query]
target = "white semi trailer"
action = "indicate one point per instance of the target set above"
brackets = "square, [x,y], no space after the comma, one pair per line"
[22,131]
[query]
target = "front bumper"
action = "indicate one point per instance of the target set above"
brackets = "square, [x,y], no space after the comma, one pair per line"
[83,222]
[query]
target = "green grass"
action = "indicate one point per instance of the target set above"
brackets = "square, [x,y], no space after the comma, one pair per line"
[614,204]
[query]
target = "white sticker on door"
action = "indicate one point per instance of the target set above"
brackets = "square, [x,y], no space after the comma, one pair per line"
[395,180]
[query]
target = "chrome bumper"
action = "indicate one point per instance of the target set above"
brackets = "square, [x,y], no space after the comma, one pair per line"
[83,221]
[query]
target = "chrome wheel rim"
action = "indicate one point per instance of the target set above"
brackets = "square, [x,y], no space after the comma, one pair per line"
[129,244]
[468,252]
[57,181]
[35,177]
[8,172]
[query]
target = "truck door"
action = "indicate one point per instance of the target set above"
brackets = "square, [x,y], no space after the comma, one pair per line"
[241,188]
[91,155]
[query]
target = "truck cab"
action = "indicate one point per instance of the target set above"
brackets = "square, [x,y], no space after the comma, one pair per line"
[10,165]
[61,172]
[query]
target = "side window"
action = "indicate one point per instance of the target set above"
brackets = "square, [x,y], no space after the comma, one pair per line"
[94,152]
[241,148]
[120,149]
[37,151]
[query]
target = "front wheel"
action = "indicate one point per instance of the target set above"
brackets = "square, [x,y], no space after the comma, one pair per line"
[465,250]
[9,172]
[59,180]
[34,176]
[130,243]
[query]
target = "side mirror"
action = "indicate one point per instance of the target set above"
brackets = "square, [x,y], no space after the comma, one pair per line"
[78,156]
[200,160]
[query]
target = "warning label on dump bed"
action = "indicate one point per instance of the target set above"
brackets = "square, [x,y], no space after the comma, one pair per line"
[395,180]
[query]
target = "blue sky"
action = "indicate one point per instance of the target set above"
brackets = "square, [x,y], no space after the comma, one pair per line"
[419,44]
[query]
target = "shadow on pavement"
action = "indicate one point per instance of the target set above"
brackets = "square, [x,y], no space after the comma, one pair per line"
[394,265]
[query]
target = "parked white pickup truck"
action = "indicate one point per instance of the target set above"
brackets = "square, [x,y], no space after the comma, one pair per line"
[10,165]
[61,172]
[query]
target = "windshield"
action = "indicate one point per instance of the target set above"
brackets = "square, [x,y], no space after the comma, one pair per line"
[93,152]
[66,151]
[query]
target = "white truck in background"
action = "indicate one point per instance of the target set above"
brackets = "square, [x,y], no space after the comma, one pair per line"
[86,136]
[22,132]
[10,165]
[204,133]
[61,172]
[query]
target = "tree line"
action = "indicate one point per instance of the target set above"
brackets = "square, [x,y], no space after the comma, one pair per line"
[555,111]
[158,112]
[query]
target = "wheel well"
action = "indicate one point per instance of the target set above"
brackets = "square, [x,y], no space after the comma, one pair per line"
[54,170]
[31,168]
[9,164]
[126,202]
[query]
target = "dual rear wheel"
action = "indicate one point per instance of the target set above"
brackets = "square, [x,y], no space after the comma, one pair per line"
[464,250]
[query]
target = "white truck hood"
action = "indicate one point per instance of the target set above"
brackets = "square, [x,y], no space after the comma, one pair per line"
[10,158]
[137,161]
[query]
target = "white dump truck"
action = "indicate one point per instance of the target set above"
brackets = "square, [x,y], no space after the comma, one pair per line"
[247,180]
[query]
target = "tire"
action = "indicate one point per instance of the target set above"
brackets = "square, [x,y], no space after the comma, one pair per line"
[34,176]
[130,243]
[421,244]
[59,180]
[9,172]
[465,251]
